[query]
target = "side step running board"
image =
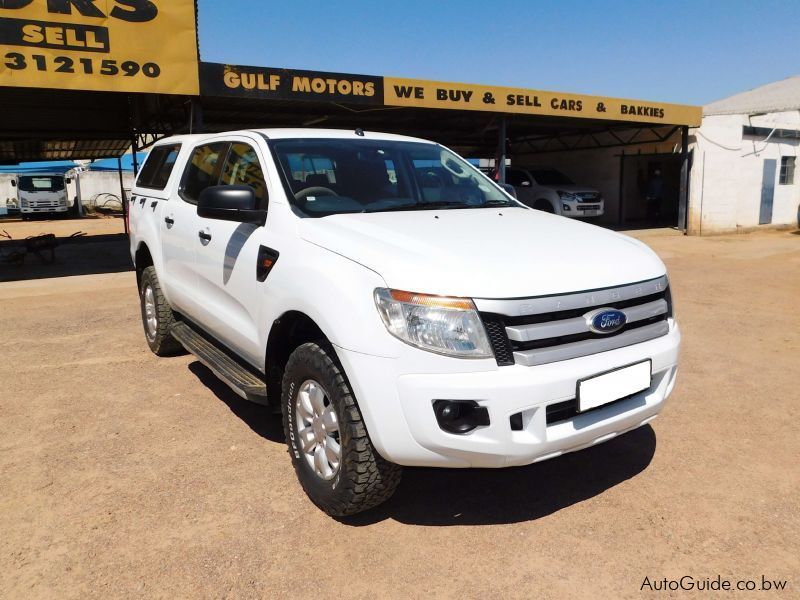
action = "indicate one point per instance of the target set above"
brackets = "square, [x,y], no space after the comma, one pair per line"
[240,379]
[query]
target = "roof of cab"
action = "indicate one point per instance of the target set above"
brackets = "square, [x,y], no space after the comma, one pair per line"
[286,133]
[295,133]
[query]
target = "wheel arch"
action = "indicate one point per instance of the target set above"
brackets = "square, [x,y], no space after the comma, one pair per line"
[540,203]
[289,331]
[142,259]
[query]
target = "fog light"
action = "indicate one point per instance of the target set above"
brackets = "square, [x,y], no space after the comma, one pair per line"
[565,207]
[460,416]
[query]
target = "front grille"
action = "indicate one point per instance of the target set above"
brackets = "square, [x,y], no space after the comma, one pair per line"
[530,332]
[588,196]
[44,203]
[496,330]
[561,411]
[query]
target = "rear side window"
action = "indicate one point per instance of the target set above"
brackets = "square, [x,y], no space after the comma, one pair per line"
[203,170]
[158,167]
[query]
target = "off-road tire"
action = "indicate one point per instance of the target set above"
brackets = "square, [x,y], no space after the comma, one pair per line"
[364,479]
[161,343]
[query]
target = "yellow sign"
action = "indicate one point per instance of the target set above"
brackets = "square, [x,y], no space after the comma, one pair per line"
[102,45]
[465,96]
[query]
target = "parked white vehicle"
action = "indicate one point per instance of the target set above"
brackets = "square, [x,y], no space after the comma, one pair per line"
[41,193]
[395,305]
[551,191]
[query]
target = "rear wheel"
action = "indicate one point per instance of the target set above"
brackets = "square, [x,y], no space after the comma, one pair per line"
[157,316]
[330,448]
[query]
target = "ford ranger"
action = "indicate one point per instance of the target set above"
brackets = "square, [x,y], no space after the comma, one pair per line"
[395,305]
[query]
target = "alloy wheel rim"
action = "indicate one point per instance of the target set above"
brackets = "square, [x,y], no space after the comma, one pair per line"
[318,430]
[150,316]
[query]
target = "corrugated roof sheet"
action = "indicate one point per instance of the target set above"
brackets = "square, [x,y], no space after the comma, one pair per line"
[774,97]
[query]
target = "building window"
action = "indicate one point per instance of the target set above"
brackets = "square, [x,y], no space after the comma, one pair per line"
[787,170]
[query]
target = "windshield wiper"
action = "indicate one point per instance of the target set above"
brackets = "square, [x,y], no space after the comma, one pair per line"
[419,206]
[438,205]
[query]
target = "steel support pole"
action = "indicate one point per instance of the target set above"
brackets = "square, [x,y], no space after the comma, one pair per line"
[79,200]
[683,195]
[501,150]
[195,116]
[134,153]
[122,196]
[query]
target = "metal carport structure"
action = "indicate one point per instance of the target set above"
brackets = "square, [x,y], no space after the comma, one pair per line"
[84,116]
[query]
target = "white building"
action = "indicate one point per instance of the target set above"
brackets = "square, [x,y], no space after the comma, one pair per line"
[744,155]
[742,166]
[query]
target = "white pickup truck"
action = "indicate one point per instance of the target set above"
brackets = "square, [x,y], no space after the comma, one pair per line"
[551,191]
[395,305]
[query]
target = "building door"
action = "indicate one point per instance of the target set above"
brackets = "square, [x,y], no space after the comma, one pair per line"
[767,191]
[650,186]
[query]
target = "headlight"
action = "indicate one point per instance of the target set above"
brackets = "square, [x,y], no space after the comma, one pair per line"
[567,196]
[24,203]
[449,326]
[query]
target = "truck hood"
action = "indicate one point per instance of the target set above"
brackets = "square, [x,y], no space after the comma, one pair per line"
[484,253]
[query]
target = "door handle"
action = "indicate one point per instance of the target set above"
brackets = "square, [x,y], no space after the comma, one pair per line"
[206,237]
[169,221]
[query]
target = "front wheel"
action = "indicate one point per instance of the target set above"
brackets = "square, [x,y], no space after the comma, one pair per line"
[330,448]
[157,316]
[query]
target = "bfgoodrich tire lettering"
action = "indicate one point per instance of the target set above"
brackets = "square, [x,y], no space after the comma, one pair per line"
[157,316]
[363,479]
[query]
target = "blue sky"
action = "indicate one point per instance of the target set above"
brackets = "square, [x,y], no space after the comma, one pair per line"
[681,51]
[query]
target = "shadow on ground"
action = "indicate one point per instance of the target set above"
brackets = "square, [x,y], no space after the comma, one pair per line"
[259,418]
[70,257]
[440,497]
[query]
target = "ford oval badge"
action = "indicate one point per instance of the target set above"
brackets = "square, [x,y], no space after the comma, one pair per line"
[606,320]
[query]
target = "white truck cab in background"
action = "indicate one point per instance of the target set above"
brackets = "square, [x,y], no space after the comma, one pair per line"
[549,190]
[41,194]
[395,305]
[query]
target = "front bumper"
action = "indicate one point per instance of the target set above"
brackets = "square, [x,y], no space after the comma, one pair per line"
[397,406]
[36,210]
[579,209]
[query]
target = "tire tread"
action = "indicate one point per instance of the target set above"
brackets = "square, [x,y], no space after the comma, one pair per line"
[367,479]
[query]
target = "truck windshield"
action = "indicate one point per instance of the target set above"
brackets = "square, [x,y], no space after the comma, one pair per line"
[550,177]
[40,183]
[333,176]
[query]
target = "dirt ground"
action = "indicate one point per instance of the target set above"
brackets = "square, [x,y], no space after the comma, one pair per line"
[20,229]
[123,475]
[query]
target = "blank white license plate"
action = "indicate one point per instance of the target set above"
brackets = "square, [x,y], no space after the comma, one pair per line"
[602,389]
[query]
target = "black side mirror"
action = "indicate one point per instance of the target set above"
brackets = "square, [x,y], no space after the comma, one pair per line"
[13,183]
[510,189]
[230,203]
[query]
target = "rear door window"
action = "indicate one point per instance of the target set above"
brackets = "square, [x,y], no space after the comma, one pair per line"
[158,167]
[202,171]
